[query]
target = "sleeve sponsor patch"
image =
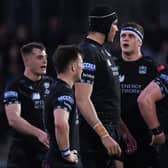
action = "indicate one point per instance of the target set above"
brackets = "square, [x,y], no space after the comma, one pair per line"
[88,74]
[66,98]
[64,102]
[11,97]
[164,77]
[162,85]
[88,66]
[10,94]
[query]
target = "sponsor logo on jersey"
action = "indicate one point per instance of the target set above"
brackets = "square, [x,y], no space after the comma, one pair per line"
[86,75]
[10,94]
[142,69]
[121,78]
[88,66]
[30,87]
[46,86]
[35,96]
[66,98]
[128,88]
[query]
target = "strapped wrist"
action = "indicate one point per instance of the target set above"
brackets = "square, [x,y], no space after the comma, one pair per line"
[65,152]
[156,131]
[100,130]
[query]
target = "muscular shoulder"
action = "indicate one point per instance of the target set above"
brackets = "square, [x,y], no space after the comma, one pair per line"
[14,83]
[90,49]
[148,60]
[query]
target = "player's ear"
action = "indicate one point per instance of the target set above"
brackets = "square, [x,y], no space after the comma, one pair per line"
[26,60]
[140,43]
[73,67]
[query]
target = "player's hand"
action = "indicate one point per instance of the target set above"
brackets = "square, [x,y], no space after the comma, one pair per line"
[130,142]
[43,138]
[73,157]
[158,139]
[111,145]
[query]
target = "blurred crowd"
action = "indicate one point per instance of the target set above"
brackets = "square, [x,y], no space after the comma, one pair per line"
[155,45]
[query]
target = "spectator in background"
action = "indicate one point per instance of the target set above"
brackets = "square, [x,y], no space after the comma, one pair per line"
[162,56]
[14,63]
[2,83]
[24,104]
[53,36]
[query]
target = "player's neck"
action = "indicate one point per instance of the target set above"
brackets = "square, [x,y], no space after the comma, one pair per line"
[96,36]
[66,79]
[131,56]
[32,76]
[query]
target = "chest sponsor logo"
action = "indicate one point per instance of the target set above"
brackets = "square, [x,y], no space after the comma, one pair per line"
[128,88]
[35,96]
[30,87]
[142,69]
[46,87]
[121,78]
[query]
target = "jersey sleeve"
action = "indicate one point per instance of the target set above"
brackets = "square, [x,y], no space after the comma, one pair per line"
[89,66]
[162,81]
[11,95]
[64,102]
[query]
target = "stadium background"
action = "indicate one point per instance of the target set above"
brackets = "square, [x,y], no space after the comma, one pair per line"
[55,22]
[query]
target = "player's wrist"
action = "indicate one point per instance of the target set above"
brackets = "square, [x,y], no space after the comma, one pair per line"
[65,153]
[156,131]
[101,130]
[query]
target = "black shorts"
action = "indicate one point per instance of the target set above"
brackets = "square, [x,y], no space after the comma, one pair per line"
[93,153]
[146,156]
[22,156]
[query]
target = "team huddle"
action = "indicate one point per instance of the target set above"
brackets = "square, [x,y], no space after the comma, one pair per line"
[98,112]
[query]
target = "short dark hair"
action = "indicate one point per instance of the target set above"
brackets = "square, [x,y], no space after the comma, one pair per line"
[27,48]
[65,55]
[133,25]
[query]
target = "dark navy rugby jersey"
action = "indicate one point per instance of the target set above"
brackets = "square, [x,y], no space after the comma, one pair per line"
[31,95]
[100,70]
[61,97]
[134,77]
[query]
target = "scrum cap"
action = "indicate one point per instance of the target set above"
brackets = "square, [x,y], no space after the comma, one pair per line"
[101,19]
